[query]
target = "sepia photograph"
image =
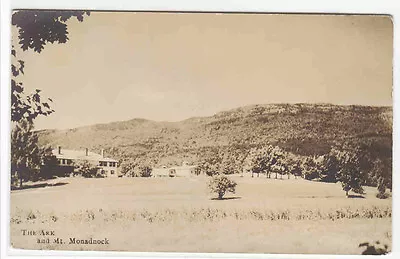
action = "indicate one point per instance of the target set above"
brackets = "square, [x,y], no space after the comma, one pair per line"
[201,132]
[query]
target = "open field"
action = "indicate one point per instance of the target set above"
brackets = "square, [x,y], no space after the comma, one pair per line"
[179,215]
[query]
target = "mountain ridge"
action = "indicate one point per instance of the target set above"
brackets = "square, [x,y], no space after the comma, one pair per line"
[305,129]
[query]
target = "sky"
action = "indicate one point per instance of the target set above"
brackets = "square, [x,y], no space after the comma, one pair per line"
[172,66]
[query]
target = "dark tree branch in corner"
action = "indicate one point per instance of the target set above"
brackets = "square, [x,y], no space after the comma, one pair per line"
[35,29]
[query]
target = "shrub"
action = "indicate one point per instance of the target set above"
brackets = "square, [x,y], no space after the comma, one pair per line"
[128,169]
[380,195]
[374,249]
[87,169]
[221,184]
[145,171]
[382,189]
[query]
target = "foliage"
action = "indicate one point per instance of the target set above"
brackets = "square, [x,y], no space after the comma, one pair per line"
[382,189]
[145,171]
[265,160]
[25,106]
[209,166]
[36,27]
[350,174]
[294,165]
[35,30]
[383,176]
[128,169]
[331,166]
[49,163]
[374,249]
[227,166]
[87,169]
[136,168]
[221,184]
[312,167]
[25,153]
[299,129]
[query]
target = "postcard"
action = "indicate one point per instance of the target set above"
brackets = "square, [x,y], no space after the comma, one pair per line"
[201,132]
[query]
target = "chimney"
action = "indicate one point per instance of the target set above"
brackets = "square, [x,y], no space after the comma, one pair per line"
[102,153]
[86,151]
[59,150]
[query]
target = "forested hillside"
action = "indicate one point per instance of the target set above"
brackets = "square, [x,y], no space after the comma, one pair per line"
[304,129]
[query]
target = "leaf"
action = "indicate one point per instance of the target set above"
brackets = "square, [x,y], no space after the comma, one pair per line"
[14,70]
[22,66]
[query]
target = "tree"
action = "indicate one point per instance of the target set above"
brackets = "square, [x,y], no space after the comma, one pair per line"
[49,163]
[256,161]
[263,160]
[331,166]
[350,174]
[383,177]
[221,184]
[145,171]
[25,153]
[35,30]
[228,166]
[311,167]
[293,163]
[87,169]
[128,168]
[211,164]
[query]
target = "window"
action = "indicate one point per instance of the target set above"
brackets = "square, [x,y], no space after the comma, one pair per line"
[112,171]
[113,164]
[102,163]
[65,161]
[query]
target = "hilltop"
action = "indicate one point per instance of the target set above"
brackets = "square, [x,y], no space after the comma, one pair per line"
[305,129]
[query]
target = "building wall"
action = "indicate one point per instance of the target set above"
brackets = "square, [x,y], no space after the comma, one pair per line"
[109,169]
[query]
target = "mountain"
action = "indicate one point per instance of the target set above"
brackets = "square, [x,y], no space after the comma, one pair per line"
[305,129]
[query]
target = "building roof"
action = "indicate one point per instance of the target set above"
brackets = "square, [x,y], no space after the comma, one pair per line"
[80,155]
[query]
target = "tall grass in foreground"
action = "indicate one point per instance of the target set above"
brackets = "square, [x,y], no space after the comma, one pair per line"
[203,215]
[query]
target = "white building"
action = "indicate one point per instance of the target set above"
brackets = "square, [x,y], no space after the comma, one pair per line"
[67,158]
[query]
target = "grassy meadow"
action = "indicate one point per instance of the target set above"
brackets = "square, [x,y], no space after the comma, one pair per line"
[180,215]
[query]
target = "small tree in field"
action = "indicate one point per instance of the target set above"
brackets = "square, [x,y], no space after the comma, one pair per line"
[221,184]
[350,174]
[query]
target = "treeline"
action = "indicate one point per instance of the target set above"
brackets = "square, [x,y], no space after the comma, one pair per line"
[353,166]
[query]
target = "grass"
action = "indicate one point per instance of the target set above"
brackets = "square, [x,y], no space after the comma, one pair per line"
[178,214]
